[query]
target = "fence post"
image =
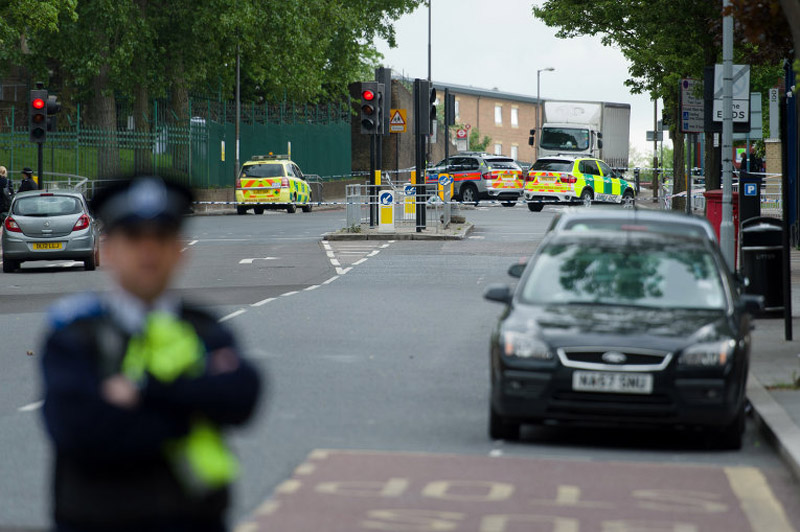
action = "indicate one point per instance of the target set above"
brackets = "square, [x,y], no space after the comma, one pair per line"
[13,133]
[78,142]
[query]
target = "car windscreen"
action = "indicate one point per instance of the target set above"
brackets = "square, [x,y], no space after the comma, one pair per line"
[550,165]
[503,164]
[263,170]
[640,226]
[659,276]
[47,206]
[568,139]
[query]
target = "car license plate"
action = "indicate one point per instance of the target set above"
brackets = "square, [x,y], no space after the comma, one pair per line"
[601,381]
[48,245]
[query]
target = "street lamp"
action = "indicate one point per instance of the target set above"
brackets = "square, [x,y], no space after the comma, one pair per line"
[538,101]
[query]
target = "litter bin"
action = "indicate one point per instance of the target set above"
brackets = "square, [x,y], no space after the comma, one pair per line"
[714,215]
[762,256]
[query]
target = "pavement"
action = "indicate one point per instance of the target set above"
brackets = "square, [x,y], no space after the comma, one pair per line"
[375,355]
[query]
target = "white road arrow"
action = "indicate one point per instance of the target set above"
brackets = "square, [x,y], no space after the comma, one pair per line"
[250,261]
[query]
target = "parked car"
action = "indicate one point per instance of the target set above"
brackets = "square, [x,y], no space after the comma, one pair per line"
[643,330]
[614,218]
[50,226]
[478,176]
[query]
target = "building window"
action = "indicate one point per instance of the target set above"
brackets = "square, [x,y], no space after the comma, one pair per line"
[458,110]
[514,117]
[498,149]
[514,151]
[498,115]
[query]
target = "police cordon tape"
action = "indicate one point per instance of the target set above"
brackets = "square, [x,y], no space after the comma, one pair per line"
[429,203]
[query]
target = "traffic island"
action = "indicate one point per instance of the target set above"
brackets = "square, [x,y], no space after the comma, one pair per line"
[456,231]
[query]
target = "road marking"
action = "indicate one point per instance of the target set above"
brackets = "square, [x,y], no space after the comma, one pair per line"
[250,261]
[305,469]
[335,262]
[359,261]
[374,253]
[193,242]
[36,405]
[269,507]
[330,254]
[762,509]
[342,271]
[288,486]
[232,315]
[312,287]
[473,237]
[332,279]
[384,246]
[287,294]
[263,302]
[326,245]
[494,453]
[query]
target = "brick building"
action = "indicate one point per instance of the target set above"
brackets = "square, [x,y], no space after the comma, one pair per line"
[505,118]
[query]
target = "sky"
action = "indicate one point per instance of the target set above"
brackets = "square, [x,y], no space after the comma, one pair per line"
[498,43]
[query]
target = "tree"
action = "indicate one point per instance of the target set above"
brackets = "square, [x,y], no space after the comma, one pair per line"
[20,18]
[475,141]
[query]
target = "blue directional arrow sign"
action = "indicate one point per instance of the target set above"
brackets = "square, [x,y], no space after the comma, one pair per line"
[410,190]
[750,189]
[445,179]
[385,198]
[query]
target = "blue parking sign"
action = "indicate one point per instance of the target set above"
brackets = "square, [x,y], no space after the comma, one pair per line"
[750,189]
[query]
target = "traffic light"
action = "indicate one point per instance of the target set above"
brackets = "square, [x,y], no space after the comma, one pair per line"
[53,108]
[532,137]
[433,107]
[37,116]
[371,108]
[449,108]
[422,106]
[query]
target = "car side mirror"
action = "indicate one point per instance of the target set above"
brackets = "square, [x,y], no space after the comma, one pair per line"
[741,280]
[515,270]
[498,293]
[600,143]
[752,304]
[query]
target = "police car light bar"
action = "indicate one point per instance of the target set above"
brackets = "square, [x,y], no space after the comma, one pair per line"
[270,157]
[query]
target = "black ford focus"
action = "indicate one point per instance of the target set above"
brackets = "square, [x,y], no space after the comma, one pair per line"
[622,328]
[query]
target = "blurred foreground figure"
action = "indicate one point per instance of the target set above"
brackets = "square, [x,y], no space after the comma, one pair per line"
[138,385]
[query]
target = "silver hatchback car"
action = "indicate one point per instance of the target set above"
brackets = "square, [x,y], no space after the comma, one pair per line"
[53,225]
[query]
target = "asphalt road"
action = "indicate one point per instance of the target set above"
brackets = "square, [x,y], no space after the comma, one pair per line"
[382,346]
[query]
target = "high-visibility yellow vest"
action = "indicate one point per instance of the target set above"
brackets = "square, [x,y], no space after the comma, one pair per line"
[169,348]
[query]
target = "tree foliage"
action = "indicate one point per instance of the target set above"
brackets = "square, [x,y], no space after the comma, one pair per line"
[476,143]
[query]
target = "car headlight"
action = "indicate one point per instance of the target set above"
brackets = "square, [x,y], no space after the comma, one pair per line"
[524,346]
[707,354]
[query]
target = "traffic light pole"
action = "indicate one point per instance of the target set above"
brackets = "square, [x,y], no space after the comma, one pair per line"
[40,164]
[373,193]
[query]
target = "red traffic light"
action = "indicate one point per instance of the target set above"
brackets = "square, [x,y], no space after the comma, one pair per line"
[368,95]
[38,103]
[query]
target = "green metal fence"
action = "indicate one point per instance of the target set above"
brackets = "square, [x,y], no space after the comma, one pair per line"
[198,150]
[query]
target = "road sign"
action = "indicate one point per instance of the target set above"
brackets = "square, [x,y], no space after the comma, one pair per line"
[445,179]
[692,107]
[398,121]
[750,189]
[756,120]
[774,110]
[461,134]
[651,135]
[741,93]
[409,189]
[386,211]
[468,127]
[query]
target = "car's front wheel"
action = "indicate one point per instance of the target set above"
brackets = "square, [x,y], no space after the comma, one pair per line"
[509,203]
[469,194]
[502,429]
[10,266]
[535,207]
[731,436]
[240,210]
[258,210]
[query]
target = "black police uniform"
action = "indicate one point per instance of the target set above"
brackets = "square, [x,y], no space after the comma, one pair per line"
[27,182]
[111,471]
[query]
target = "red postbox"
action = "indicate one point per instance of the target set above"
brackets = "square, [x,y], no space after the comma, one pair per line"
[714,215]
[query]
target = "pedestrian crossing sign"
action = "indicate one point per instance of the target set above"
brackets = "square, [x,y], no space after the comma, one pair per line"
[398,121]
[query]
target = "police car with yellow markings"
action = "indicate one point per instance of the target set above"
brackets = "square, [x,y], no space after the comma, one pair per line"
[271,182]
[565,179]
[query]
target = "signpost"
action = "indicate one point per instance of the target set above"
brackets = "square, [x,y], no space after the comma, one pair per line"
[386,215]
[398,123]
[750,189]
[409,192]
[774,113]
[692,107]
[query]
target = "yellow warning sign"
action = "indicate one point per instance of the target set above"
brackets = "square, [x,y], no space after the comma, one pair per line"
[398,121]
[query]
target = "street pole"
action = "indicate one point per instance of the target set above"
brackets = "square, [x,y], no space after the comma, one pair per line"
[726,229]
[238,110]
[40,162]
[656,188]
[446,126]
[430,26]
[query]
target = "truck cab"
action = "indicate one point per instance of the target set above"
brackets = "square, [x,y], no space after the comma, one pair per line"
[579,140]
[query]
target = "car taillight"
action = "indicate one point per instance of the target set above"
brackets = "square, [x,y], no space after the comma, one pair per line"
[82,223]
[487,175]
[571,179]
[529,178]
[285,182]
[12,226]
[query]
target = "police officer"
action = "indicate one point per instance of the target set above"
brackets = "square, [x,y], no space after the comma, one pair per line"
[27,182]
[140,385]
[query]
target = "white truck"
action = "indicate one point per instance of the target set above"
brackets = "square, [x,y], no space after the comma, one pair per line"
[590,129]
